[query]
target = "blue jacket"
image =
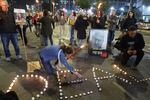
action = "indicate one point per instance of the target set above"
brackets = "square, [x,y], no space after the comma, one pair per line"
[51,53]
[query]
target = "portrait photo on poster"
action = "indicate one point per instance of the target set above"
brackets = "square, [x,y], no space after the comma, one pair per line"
[98,39]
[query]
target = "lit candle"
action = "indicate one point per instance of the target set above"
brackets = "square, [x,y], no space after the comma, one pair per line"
[91,92]
[10,88]
[14,81]
[94,75]
[60,90]
[60,94]
[37,95]
[11,84]
[17,75]
[27,75]
[100,89]
[84,94]
[71,96]
[88,92]
[33,98]
[31,75]
[36,76]
[66,97]
[22,75]
[8,91]
[60,86]
[41,92]
[76,96]
[44,89]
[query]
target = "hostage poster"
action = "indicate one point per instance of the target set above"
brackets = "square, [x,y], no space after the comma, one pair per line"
[98,39]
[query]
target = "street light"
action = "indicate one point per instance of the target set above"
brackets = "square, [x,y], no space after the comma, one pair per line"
[53,3]
[122,9]
[37,1]
[99,5]
[112,8]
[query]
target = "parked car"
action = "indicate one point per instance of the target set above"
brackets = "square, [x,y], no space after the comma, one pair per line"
[144,26]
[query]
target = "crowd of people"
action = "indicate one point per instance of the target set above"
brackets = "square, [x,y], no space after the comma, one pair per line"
[44,24]
[131,42]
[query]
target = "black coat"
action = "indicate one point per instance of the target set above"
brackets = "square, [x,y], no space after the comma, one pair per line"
[47,23]
[7,23]
[81,26]
[100,25]
[129,22]
[136,43]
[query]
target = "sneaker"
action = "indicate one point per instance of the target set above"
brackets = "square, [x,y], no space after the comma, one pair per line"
[8,59]
[19,57]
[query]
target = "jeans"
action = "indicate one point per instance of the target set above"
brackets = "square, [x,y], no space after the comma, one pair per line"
[71,34]
[23,34]
[47,66]
[110,36]
[6,38]
[126,57]
[46,39]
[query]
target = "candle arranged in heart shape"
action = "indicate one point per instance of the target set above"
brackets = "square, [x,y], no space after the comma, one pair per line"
[32,76]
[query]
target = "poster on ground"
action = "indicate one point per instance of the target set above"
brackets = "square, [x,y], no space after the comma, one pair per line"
[98,39]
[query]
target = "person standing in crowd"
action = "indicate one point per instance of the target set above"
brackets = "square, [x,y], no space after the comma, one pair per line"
[71,21]
[1,20]
[35,23]
[8,32]
[98,21]
[8,96]
[112,22]
[132,44]
[29,21]
[58,53]
[47,30]
[62,21]
[0,26]
[81,25]
[130,20]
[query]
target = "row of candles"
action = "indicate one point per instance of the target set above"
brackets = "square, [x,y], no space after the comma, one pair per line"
[132,77]
[30,76]
[107,77]
[96,79]
[70,82]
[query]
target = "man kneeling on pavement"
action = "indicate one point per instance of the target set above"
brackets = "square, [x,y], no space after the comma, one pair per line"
[58,53]
[132,44]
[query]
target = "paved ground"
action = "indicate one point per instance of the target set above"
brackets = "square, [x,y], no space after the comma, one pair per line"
[113,82]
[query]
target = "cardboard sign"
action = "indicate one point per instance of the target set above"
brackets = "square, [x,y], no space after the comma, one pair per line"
[33,65]
[98,39]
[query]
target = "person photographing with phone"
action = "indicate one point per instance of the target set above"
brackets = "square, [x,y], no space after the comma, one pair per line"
[132,44]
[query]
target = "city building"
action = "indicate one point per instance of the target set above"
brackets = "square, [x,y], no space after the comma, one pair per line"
[146,11]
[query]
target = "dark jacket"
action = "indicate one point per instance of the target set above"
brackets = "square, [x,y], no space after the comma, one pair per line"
[81,26]
[112,22]
[100,25]
[7,23]
[129,22]
[136,43]
[29,19]
[47,23]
